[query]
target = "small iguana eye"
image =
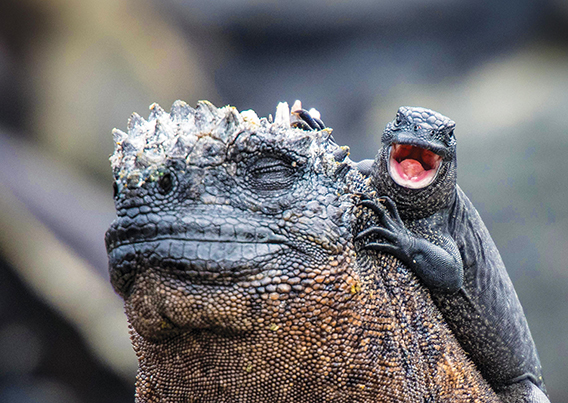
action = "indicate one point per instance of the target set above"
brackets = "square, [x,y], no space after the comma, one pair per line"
[165,183]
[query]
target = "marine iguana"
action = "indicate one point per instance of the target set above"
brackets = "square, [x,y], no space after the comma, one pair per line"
[233,252]
[442,238]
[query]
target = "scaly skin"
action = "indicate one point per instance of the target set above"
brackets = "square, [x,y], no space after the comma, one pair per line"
[441,237]
[233,251]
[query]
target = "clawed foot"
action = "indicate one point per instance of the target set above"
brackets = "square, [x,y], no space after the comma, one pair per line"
[306,120]
[440,269]
[398,241]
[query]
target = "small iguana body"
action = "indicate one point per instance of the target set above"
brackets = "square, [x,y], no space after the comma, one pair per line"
[443,239]
[233,251]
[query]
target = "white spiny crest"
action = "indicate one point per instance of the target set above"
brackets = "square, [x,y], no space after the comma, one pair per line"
[250,116]
[282,117]
[314,113]
[186,130]
[169,135]
[156,112]
[296,106]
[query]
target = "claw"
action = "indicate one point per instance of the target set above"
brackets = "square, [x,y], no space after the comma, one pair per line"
[391,207]
[374,207]
[319,122]
[302,125]
[383,247]
[306,117]
[313,121]
[379,231]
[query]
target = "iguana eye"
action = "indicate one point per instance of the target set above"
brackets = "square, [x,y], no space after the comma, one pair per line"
[271,174]
[165,183]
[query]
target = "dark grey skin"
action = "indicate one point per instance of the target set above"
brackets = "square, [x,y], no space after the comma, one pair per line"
[438,233]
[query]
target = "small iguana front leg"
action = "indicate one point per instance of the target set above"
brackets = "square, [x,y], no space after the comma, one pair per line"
[440,268]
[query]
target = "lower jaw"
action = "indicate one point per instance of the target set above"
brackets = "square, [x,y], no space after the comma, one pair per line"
[161,307]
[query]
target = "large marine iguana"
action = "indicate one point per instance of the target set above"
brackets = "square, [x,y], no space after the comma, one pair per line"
[442,238]
[233,252]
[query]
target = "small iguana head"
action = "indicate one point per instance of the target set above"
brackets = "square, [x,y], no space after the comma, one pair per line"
[220,211]
[416,166]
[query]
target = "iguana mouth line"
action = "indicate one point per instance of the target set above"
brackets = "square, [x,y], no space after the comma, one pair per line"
[413,167]
[197,240]
[200,262]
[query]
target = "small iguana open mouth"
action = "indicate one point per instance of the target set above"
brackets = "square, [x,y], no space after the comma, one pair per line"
[413,167]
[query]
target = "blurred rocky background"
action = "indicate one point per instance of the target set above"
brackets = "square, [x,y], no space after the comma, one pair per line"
[72,70]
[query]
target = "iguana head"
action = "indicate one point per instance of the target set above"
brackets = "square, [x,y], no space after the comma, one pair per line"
[416,166]
[218,211]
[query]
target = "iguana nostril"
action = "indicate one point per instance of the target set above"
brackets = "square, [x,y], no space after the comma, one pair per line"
[114,190]
[398,119]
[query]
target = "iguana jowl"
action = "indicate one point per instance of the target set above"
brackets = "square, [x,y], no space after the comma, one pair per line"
[233,251]
[443,239]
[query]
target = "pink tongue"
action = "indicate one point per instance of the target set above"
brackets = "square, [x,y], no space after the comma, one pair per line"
[411,168]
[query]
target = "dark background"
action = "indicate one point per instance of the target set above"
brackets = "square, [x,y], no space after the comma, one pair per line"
[72,70]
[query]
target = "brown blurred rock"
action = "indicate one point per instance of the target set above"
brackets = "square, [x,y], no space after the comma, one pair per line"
[96,63]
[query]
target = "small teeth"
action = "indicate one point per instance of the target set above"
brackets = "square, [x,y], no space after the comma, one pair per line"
[282,115]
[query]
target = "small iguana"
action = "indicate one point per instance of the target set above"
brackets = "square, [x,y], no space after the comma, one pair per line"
[233,252]
[442,238]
